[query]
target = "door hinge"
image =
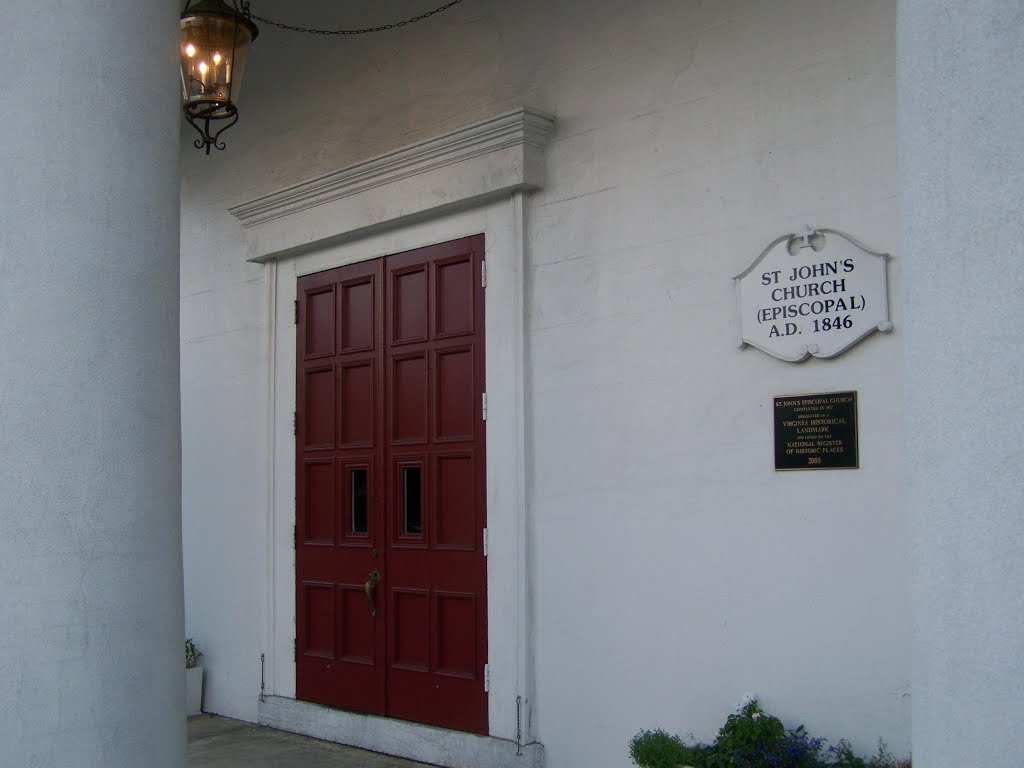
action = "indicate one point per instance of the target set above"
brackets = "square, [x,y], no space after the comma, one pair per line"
[483,274]
[295,649]
[295,534]
[485,542]
[483,400]
[296,311]
[295,422]
[487,678]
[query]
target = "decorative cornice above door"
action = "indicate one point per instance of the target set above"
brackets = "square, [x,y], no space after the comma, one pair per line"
[470,165]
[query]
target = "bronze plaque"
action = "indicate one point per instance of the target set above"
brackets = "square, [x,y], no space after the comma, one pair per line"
[816,431]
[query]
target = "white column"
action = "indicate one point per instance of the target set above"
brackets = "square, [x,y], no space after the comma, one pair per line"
[91,616]
[962,260]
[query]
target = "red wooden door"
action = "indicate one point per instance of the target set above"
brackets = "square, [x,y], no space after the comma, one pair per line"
[391,602]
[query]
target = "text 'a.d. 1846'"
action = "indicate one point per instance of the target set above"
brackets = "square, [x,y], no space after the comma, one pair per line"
[795,303]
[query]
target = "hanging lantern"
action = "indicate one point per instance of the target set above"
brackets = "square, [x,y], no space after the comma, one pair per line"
[215,40]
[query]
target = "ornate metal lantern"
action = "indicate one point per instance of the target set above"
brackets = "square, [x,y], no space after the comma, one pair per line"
[215,40]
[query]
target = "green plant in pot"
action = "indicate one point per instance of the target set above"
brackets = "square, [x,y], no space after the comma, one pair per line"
[193,679]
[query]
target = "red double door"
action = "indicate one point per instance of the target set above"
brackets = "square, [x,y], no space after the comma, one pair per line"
[391,601]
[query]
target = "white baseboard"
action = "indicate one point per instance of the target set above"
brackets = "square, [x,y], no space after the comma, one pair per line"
[424,743]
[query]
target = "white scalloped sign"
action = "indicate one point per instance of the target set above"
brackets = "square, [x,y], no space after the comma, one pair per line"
[813,295]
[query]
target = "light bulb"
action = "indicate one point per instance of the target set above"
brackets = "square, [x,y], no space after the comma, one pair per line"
[190,50]
[203,67]
[216,58]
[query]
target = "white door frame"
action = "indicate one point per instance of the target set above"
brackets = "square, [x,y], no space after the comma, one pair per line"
[408,199]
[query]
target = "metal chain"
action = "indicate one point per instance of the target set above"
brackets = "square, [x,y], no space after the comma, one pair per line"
[382,28]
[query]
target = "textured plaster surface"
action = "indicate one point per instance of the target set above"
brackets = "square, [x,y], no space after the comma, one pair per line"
[672,569]
[962,65]
[90,535]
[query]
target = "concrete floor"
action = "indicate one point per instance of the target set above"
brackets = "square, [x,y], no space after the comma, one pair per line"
[217,742]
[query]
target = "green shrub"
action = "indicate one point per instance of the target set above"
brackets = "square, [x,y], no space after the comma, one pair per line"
[885,760]
[746,733]
[751,738]
[659,749]
[843,756]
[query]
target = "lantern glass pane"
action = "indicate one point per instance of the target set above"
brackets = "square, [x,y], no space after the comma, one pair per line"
[213,53]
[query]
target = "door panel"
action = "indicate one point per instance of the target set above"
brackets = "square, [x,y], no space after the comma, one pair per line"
[408,302]
[408,399]
[319,328]
[339,645]
[319,619]
[455,526]
[453,310]
[390,453]
[356,396]
[320,502]
[456,407]
[357,625]
[357,316]
[319,432]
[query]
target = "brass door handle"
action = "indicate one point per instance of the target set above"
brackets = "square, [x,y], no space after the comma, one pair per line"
[371,591]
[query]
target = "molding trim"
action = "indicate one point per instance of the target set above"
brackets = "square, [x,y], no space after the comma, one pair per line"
[412,741]
[499,155]
[524,628]
[269,656]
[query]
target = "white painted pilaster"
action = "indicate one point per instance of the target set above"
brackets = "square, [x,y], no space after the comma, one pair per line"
[961,67]
[270,654]
[524,605]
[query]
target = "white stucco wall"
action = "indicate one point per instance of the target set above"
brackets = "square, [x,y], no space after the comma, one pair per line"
[223,450]
[673,569]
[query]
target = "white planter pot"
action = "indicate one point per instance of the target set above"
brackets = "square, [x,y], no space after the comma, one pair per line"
[193,691]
